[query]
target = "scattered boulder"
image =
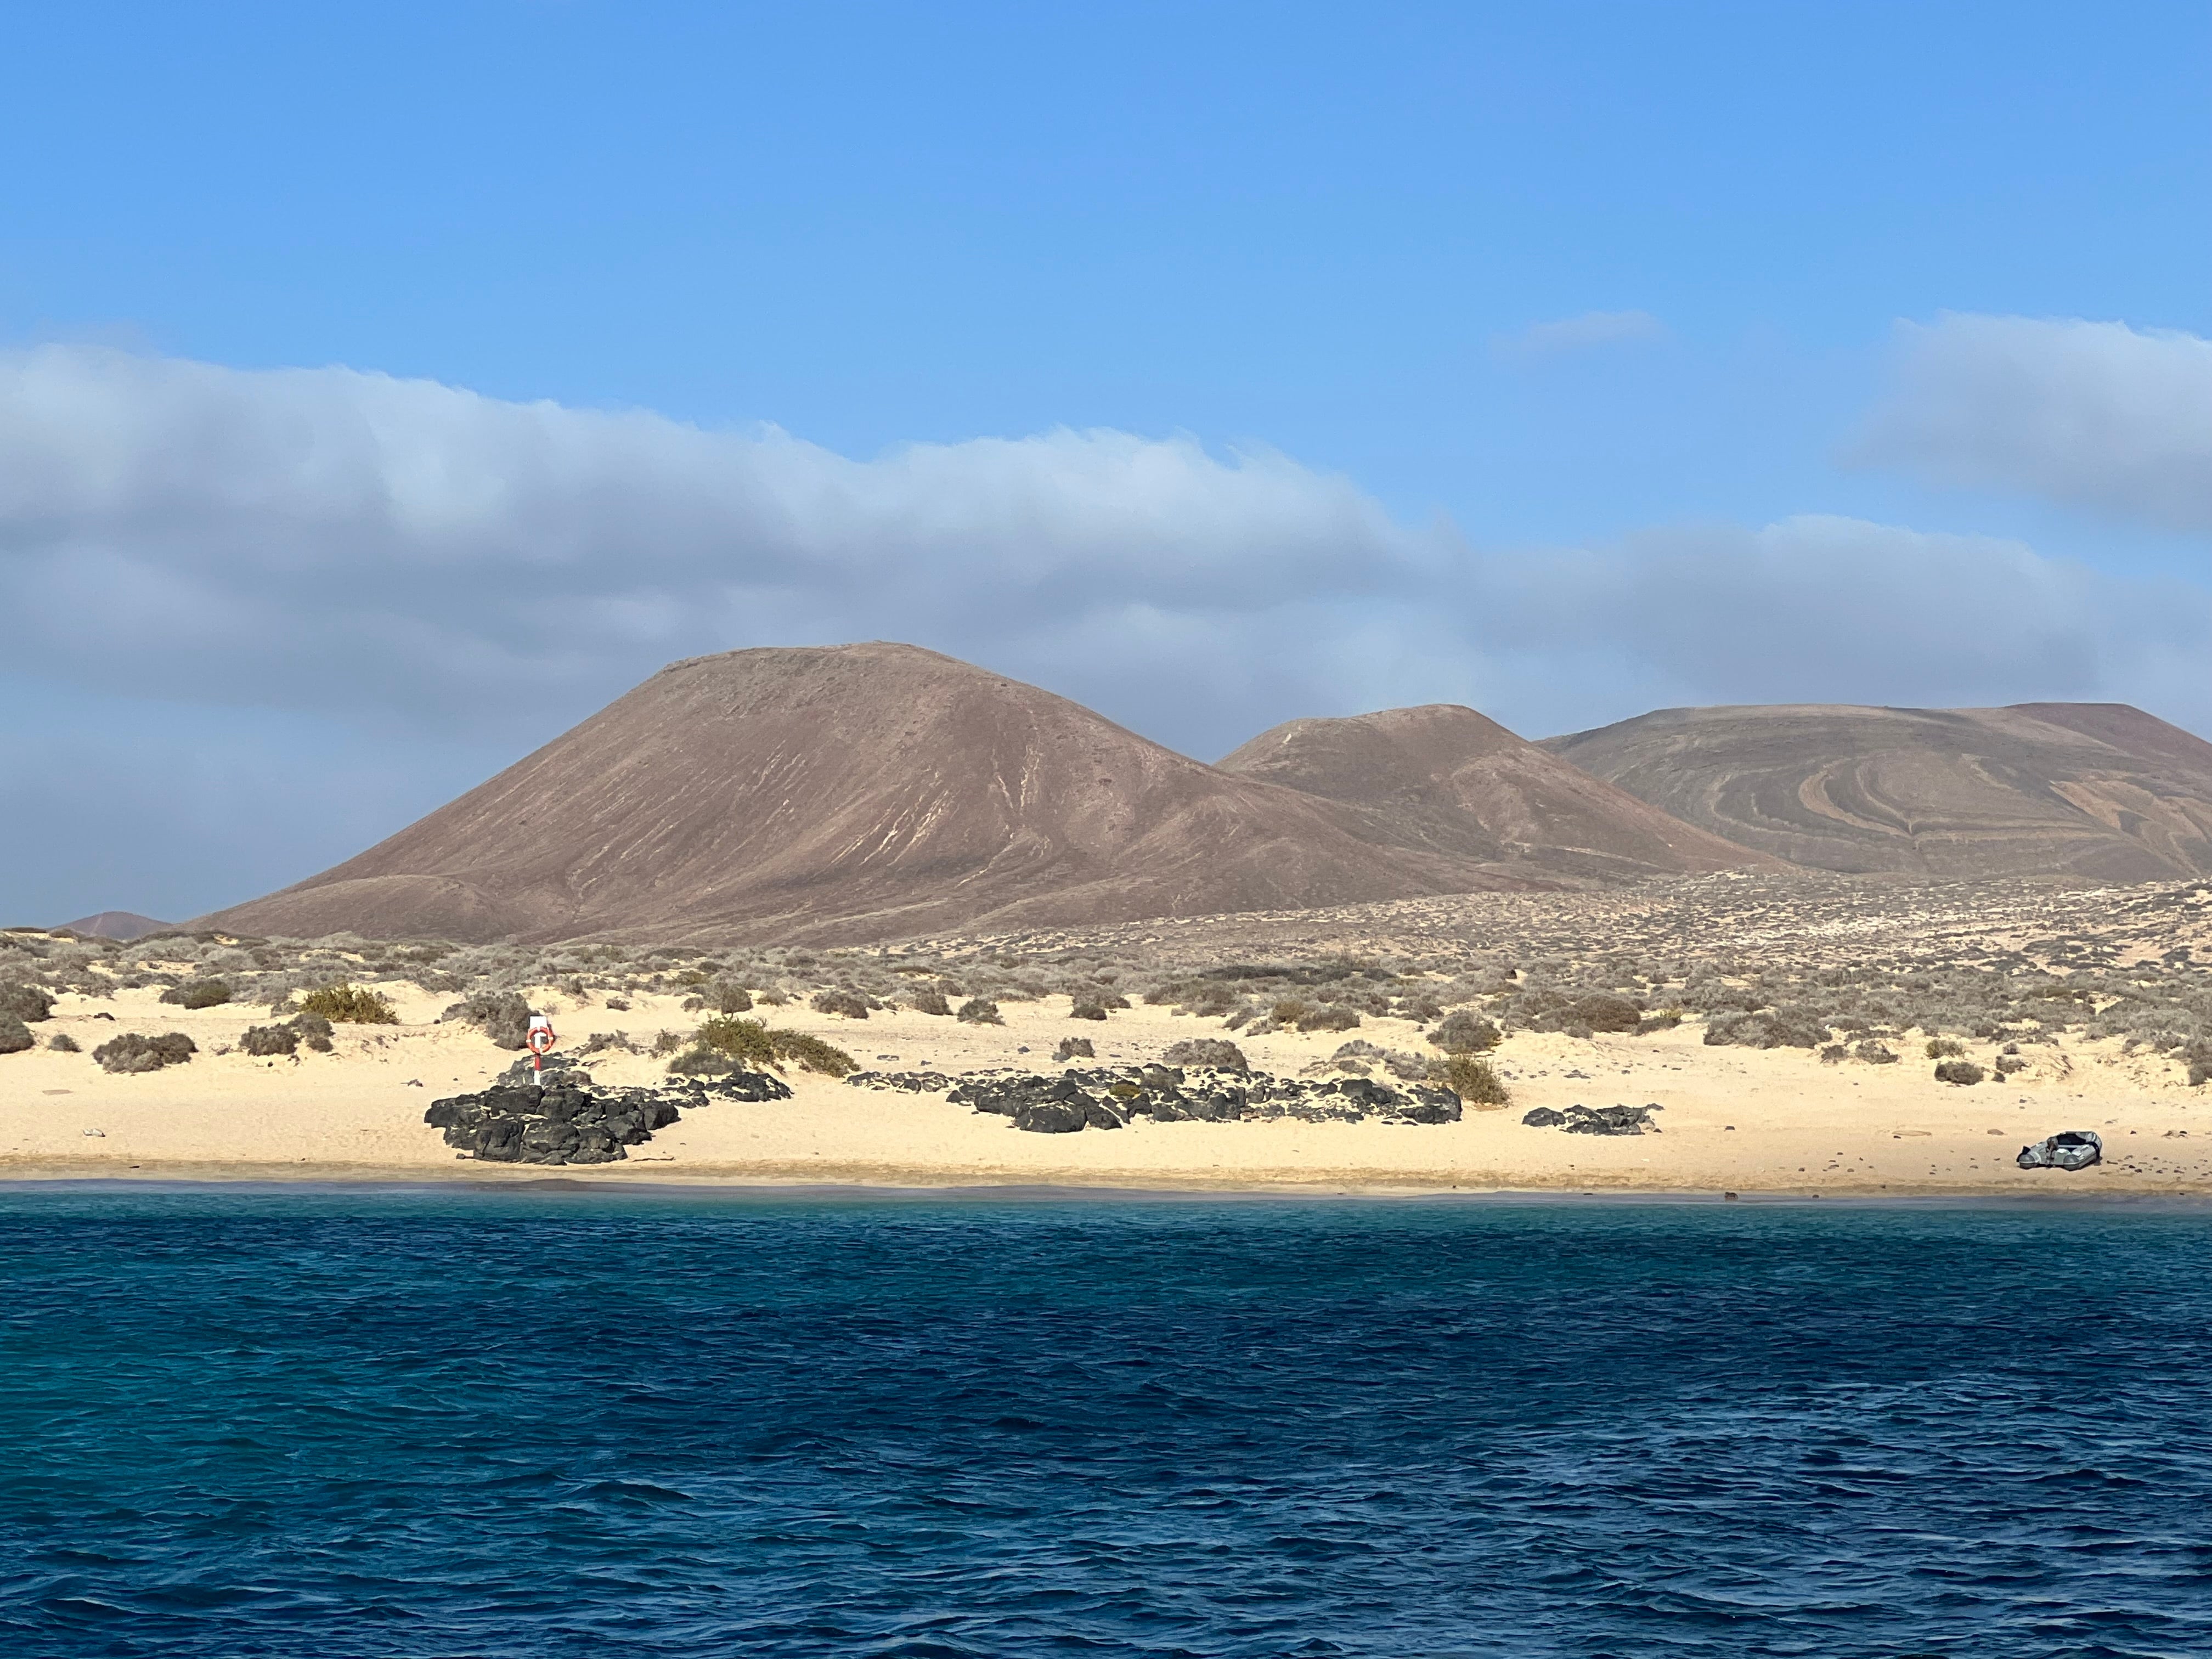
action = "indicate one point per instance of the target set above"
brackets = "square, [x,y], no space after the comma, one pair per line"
[1211,1053]
[2071,1149]
[1580,1120]
[913,1083]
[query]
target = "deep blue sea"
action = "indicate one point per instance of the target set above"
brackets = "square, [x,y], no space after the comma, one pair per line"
[342,1422]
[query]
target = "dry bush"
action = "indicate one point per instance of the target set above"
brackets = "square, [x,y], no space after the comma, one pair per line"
[503,1016]
[1334,1018]
[1874,1054]
[1218,1053]
[1074,1049]
[1958,1071]
[1465,1032]
[843,1003]
[349,1005]
[128,1051]
[1087,1011]
[1772,1028]
[28,1003]
[62,1043]
[265,1041]
[981,1011]
[1944,1048]
[14,1036]
[929,1002]
[199,993]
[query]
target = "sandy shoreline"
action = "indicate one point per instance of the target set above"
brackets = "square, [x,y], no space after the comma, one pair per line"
[1773,1123]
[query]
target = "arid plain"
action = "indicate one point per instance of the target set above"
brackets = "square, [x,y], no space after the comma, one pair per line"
[2086,986]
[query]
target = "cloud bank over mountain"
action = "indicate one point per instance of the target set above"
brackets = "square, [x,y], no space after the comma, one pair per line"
[2089,414]
[351,569]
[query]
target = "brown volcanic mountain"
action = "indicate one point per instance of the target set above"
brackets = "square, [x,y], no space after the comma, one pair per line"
[2100,790]
[849,793]
[1445,778]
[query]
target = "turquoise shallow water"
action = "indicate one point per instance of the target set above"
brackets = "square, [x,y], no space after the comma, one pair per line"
[390,1423]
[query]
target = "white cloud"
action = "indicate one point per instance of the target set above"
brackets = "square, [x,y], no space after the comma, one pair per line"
[1583,333]
[2095,414]
[334,539]
[385,581]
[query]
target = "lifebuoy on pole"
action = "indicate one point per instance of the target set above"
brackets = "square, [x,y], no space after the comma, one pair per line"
[541,1041]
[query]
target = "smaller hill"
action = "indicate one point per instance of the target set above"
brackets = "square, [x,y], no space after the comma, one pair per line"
[1444,779]
[121,925]
[2102,791]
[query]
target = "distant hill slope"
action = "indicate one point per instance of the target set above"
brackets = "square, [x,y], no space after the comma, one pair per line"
[1448,779]
[851,794]
[123,925]
[2098,790]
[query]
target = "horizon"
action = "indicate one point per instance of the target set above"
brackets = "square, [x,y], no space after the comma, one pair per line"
[382,392]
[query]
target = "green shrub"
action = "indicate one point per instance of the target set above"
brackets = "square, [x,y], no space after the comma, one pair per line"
[349,1005]
[1944,1048]
[1465,1032]
[981,1011]
[745,1041]
[812,1055]
[199,993]
[130,1052]
[1473,1078]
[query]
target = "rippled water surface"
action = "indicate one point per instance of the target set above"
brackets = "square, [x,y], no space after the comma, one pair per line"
[404,1424]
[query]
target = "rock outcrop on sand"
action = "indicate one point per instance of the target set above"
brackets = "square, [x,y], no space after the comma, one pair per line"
[562,1116]
[2100,791]
[1580,1120]
[1448,779]
[2069,1149]
[1108,1097]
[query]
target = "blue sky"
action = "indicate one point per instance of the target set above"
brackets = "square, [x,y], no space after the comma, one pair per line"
[1353,241]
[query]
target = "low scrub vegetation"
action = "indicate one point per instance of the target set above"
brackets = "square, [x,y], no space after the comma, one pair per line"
[128,1051]
[726,1044]
[349,1005]
[199,993]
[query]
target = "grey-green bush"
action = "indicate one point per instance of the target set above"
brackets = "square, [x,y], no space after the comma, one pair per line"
[199,993]
[1465,1032]
[28,1003]
[132,1051]
[62,1043]
[14,1036]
